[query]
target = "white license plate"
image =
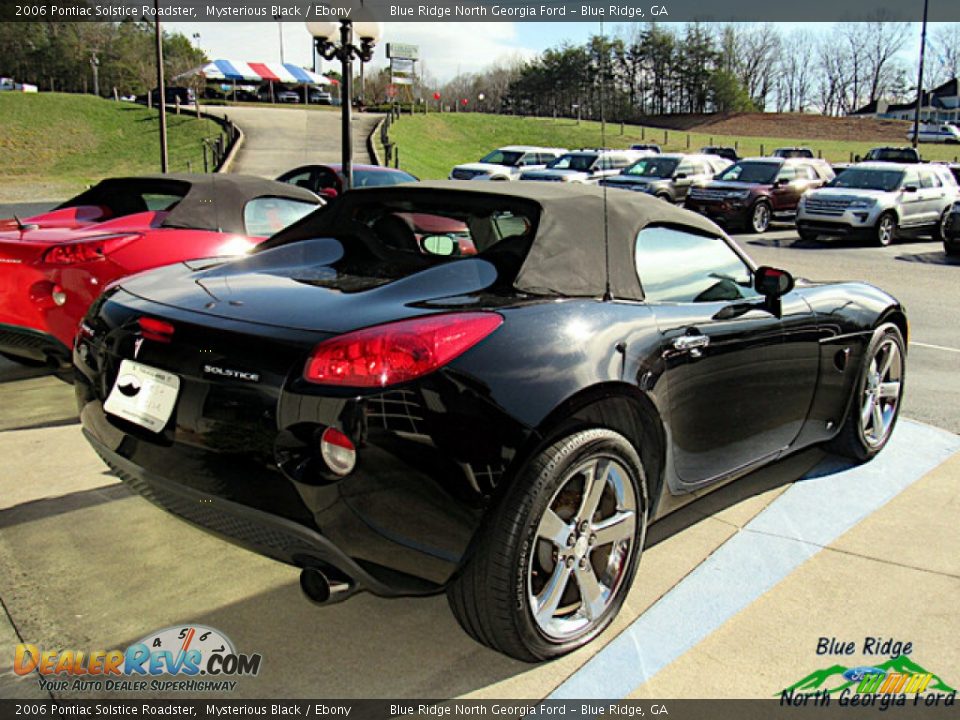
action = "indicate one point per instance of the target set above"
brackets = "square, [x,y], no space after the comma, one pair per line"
[143,395]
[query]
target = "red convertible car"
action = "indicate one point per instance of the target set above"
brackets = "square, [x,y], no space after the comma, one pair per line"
[53,265]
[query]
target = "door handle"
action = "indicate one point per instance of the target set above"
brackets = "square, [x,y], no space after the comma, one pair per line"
[692,343]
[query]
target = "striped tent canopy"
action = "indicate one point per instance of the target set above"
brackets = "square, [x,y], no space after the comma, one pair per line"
[257,72]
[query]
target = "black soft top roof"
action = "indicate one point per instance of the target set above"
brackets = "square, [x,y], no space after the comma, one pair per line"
[210,201]
[568,255]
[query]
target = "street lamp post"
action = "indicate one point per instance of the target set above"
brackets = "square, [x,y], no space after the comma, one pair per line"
[280,30]
[923,48]
[369,33]
[158,37]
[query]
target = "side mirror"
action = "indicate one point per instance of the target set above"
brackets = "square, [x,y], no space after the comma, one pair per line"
[780,182]
[772,282]
[856,158]
[442,245]
[328,192]
[680,176]
[910,188]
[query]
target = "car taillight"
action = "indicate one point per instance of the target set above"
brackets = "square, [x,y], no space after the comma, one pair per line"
[95,248]
[156,330]
[397,352]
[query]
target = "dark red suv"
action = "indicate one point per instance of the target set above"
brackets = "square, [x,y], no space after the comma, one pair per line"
[751,193]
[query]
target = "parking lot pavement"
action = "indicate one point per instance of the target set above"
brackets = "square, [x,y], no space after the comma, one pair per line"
[88,565]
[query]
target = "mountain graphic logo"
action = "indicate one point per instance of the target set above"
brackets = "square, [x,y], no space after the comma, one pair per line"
[896,675]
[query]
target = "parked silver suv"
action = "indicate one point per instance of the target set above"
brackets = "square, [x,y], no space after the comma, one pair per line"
[586,166]
[880,201]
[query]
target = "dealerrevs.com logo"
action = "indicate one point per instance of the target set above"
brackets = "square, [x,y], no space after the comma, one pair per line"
[185,658]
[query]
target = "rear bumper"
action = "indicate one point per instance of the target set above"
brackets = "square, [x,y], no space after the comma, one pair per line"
[253,529]
[32,344]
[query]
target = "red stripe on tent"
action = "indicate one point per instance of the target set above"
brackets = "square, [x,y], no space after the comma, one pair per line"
[263,71]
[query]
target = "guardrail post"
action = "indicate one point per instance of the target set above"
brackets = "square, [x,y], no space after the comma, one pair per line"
[396,158]
[688,141]
[665,140]
[206,166]
[761,150]
[177,104]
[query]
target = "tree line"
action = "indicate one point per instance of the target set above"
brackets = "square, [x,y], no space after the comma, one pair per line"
[655,69]
[61,55]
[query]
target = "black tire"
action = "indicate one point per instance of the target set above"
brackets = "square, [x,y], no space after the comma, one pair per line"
[952,247]
[940,230]
[491,594]
[758,221]
[885,231]
[807,235]
[852,441]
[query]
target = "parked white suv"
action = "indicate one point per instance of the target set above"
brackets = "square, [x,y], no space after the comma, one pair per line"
[586,166]
[880,201]
[507,163]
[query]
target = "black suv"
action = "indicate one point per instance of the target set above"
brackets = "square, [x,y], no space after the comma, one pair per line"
[723,151]
[892,154]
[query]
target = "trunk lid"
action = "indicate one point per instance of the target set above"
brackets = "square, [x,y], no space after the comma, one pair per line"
[295,287]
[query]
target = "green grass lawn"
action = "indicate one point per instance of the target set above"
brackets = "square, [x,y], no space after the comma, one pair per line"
[432,144]
[55,144]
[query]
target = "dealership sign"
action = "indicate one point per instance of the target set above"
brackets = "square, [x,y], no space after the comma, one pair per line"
[402,51]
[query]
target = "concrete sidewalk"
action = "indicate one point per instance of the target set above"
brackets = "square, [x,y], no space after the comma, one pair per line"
[896,575]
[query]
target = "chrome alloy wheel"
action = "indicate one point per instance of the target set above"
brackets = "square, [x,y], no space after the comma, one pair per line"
[761,217]
[886,230]
[881,392]
[584,544]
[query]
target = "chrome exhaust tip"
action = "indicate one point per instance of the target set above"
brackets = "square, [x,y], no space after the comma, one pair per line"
[325,588]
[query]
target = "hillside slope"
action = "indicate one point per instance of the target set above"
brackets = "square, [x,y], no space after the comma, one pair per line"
[53,144]
[430,145]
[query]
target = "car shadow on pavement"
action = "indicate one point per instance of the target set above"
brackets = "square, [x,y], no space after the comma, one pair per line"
[795,243]
[930,258]
[48,507]
[35,397]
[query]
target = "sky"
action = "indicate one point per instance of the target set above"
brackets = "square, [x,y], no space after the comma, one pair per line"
[446,48]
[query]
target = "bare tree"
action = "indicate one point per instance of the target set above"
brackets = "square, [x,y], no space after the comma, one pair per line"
[795,81]
[945,44]
[757,51]
[882,40]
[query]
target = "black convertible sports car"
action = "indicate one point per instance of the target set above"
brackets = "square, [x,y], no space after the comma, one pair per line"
[367,404]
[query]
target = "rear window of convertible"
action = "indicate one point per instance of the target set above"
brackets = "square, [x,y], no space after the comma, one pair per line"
[384,238]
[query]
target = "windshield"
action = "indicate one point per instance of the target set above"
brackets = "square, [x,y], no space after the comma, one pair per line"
[863,179]
[375,178]
[573,162]
[762,173]
[892,155]
[502,157]
[653,167]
